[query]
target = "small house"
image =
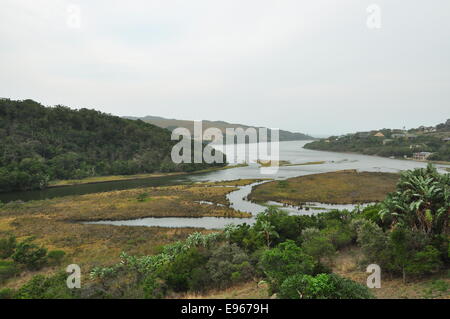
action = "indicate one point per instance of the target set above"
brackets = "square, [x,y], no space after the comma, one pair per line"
[421,156]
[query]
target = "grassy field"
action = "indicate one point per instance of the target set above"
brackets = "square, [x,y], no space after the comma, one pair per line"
[54,223]
[342,187]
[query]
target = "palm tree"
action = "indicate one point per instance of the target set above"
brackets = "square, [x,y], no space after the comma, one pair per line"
[421,201]
[268,230]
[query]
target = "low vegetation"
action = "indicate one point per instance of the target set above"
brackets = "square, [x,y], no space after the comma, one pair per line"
[291,256]
[342,187]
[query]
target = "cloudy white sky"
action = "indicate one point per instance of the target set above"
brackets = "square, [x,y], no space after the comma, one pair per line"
[310,66]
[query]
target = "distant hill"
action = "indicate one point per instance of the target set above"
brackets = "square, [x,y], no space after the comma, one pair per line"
[41,143]
[171,124]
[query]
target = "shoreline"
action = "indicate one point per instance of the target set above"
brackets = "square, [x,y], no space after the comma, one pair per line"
[120,178]
[375,155]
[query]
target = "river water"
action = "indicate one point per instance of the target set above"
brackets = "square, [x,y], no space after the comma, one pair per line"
[292,151]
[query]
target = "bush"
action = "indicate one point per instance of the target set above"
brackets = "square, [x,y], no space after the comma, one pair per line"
[318,246]
[322,286]
[7,293]
[373,242]
[55,257]
[7,246]
[7,270]
[41,287]
[287,259]
[426,261]
[154,288]
[227,263]
[30,255]
[179,273]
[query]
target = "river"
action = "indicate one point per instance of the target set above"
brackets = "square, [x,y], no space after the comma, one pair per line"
[292,151]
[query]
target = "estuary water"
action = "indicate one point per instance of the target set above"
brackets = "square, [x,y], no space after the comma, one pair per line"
[291,151]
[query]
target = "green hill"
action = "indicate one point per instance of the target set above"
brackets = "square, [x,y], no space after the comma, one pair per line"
[39,144]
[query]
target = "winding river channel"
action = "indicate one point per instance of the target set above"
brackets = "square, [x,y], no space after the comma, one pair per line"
[291,151]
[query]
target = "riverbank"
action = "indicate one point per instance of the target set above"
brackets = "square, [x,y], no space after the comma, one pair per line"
[341,187]
[112,178]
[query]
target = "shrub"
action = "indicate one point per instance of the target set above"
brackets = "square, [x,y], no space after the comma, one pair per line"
[41,287]
[55,257]
[285,260]
[227,260]
[318,246]
[322,286]
[142,197]
[7,270]
[154,288]
[30,255]
[373,242]
[179,273]
[426,261]
[7,246]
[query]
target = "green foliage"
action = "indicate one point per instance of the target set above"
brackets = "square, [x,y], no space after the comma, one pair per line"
[142,197]
[40,144]
[7,270]
[178,273]
[30,255]
[7,246]
[55,257]
[322,286]
[424,262]
[227,264]
[285,260]
[421,202]
[154,287]
[366,143]
[317,245]
[7,293]
[42,287]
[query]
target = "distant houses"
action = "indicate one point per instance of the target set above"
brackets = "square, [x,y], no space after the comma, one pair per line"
[403,135]
[421,156]
[379,134]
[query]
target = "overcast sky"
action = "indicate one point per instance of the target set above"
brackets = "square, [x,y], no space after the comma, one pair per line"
[309,66]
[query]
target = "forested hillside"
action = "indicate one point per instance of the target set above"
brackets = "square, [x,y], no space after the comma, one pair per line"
[39,144]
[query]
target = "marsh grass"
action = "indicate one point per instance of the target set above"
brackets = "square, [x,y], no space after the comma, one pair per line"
[55,222]
[342,187]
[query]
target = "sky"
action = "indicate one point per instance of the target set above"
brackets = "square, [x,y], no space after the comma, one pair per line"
[320,67]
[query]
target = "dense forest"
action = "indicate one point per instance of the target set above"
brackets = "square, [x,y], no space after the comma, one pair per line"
[389,143]
[40,144]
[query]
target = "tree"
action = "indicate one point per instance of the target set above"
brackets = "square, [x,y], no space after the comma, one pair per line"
[268,231]
[30,255]
[421,201]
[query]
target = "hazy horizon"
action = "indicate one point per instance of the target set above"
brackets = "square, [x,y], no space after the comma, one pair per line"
[314,67]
